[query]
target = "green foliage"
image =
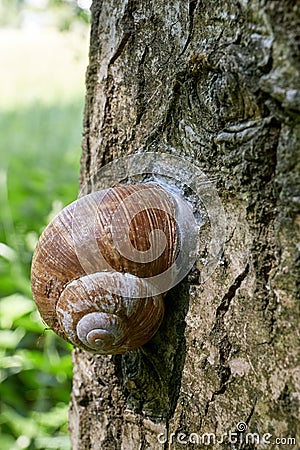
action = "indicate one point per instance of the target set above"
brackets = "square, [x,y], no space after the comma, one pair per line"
[10,12]
[38,176]
[61,13]
[68,12]
[39,169]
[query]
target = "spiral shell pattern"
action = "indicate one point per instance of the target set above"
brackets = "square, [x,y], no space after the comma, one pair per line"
[97,269]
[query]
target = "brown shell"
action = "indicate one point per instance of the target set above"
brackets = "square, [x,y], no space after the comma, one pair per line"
[81,241]
[129,322]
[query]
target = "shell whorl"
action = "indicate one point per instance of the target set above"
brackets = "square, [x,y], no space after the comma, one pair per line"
[96,271]
[119,323]
[99,331]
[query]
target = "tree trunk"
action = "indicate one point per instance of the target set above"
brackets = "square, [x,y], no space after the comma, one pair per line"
[217,84]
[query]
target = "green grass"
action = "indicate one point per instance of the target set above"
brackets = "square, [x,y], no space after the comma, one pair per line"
[40,137]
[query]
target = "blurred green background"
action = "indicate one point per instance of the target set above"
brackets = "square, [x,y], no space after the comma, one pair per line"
[43,51]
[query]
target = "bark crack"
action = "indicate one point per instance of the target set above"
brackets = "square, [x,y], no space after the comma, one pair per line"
[120,48]
[192,7]
[247,421]
[220,335]
[230,294]
[141,103]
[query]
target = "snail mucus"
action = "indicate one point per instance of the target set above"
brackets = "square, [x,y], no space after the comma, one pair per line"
[102,267]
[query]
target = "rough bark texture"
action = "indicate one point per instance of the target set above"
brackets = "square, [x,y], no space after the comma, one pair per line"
[219,82]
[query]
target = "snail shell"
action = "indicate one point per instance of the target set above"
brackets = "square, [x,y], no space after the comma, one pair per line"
[96,271]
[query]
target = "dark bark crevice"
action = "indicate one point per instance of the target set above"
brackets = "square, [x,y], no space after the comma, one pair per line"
[151,376]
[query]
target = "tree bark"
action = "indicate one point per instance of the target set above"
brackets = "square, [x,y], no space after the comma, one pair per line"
[218,82]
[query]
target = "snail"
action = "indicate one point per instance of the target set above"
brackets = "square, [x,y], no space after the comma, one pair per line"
[102,267]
